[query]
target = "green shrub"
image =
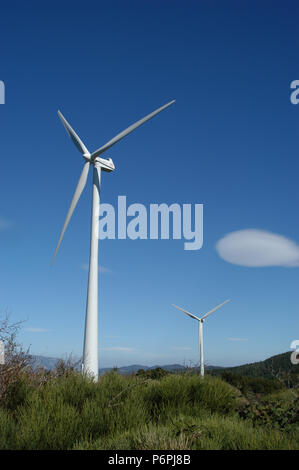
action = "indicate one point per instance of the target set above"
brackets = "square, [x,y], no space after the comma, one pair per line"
[17,393]
[188,394]
[47,425]
[254,384]
[67,410]
[7,430]
[280,411]
[155,374]
[189,433]
[229,433]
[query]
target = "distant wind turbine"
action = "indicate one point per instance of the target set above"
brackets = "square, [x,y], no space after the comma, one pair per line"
[90,352]
[200,330]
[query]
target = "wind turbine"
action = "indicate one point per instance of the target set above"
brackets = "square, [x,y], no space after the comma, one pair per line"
[200,330]
[90,351]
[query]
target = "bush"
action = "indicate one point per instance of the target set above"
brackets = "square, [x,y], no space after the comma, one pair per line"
[188,394]
[7,430]
[18,362]
[189,433]
[252,384]
[17,393]
[280,411]
[155,374]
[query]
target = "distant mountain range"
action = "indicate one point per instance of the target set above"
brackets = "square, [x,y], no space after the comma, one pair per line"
[266,368]
[43,361]
[49,363]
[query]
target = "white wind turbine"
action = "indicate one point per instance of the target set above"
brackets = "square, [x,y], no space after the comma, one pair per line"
[200,330]
[90,351]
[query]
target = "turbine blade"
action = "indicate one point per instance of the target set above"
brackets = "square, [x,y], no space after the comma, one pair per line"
[187,313]
[78,191]
[215,308]
[75,138]
[127,131]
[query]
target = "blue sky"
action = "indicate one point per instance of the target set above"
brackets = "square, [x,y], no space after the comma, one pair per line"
[229,142]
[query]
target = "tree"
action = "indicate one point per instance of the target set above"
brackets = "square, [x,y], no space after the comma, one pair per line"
[16,361]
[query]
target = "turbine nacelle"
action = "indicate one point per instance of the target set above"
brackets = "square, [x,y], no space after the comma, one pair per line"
[105,164]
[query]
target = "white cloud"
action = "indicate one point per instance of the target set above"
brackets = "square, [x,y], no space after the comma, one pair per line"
[102,269]
[36,330]
[256,248]
[237,339]
[182,348]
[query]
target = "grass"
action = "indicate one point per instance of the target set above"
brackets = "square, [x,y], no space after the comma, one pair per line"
[181,412]
[188,433]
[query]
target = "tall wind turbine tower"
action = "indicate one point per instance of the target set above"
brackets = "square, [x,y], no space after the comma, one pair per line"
[200,330]
[99,164]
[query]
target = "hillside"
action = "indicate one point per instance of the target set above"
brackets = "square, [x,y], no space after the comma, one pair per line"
[268,368]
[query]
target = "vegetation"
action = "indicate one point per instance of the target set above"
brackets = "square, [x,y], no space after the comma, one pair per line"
[61,409]
[276,366]
[157,373]
[55,410]
[252,384]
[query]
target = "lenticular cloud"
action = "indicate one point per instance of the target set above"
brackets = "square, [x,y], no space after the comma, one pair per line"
[257,248]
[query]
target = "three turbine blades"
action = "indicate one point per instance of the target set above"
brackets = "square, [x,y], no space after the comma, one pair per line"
[107,165]
[205,315]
